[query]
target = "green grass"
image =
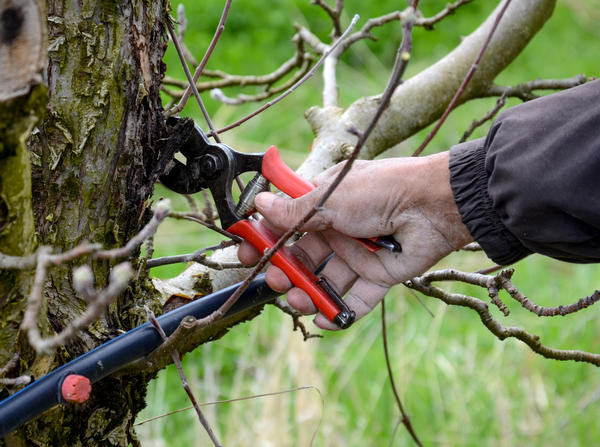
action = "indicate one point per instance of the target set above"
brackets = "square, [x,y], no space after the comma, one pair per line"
[461,386]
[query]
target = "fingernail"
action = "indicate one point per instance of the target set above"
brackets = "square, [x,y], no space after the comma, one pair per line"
[264,201]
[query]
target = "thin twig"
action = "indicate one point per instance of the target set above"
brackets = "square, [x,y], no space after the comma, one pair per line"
[256,396]
[465,81]
[425,22]
[429,22]
[229,80]
[421,302]
[184,382]
[525,90]
[405,419]
[192,83]
[298,324]
[219,95]
[504,280]
[197,256]
[488,116]
[211,226]
[296,85]
[334,14]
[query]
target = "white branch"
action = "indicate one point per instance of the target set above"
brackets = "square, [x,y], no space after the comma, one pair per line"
[422,99]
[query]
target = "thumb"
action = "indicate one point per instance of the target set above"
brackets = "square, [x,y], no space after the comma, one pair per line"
[284,212]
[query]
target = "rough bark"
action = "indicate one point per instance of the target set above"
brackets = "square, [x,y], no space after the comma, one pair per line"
[96,156]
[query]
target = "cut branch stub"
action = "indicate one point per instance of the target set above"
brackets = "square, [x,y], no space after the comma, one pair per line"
[22,36]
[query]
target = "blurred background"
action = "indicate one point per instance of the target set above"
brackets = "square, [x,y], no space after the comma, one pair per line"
[459,384]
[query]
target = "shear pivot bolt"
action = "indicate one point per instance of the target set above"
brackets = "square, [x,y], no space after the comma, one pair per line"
[210,165]
[76,388]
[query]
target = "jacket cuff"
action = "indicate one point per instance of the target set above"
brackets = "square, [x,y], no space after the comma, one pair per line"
[469,183]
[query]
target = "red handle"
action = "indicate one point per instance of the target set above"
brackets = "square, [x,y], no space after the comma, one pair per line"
[262,239]
[286,180]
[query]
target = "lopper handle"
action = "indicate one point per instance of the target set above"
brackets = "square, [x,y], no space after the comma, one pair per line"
[329,304]
[286,180]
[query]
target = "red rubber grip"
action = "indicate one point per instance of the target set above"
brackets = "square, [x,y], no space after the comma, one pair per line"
[286,180]
[282,176]
[262,239]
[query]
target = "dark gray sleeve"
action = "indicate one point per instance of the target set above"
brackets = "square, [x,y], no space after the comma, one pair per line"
[533,184]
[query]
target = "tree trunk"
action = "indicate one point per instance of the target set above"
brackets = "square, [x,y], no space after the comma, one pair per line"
[96,156]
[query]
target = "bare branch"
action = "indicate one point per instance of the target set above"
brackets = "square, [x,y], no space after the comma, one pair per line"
[300,59]
[525,90]
[330,91]
[423,285]
[184,382]
[283,305]
[541,311]
[198,256]
[200,220]
[465,81]
[296,85]
[429,22]
[192,81]
[488,116]
[267,93]
[407,14]
[334,14]
[405,419]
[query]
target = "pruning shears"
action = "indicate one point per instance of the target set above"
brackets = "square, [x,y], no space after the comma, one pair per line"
[214,166]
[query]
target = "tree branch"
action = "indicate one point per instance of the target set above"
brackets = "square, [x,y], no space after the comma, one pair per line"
[466,80]
[192,82]
[295,86]
[492,283]
[525,90]
[283,305]
[404,419]
[83,280]
[184,383]
[479,122]
[422,99]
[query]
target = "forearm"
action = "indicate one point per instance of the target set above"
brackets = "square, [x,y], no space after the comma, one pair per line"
[531,185]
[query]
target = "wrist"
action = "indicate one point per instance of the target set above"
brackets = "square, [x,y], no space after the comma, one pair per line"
[438,201]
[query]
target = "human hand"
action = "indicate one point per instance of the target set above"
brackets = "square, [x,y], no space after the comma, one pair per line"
[409,198]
